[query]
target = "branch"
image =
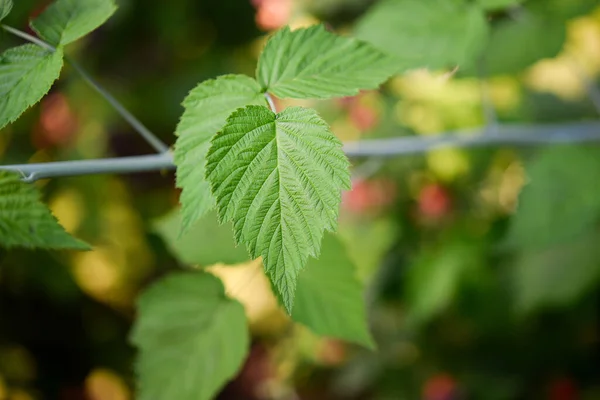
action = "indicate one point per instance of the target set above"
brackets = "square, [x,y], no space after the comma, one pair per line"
[509,135]
[156,143]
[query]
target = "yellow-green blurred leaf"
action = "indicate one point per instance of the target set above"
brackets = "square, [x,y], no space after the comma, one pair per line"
[329,296]
[207,242]
[558,275]
[561,199]
[430,34]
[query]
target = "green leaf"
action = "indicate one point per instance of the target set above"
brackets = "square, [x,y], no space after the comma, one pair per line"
[26,222]
[367,240]
[205,243]
[314,63]
[497,4]
[278,178]
[65,21]
[562,10]
[5,8]
[434,34]
[206,110]
[26,74]
[539,32]
[557,275]
[561,200]
[329,298]
[517,44]
[192,339]
[436,276]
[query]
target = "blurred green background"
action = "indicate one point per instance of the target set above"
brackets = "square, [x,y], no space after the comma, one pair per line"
[481,267]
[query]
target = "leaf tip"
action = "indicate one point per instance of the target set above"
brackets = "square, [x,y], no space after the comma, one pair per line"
[368,342]
[82,246]
[5,8]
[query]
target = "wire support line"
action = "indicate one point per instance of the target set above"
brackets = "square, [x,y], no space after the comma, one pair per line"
[140,128]
[505,135]
[509,135]
[120,165]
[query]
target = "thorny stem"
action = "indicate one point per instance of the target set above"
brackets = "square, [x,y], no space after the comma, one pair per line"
[508,135]
[156,143]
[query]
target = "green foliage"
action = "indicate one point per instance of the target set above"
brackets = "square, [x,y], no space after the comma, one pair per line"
[555,225]
[329,299]
[5,8]
[561,201]
[433,34]
[539,31]
[517,44]
[26,222]
[562,10]
[366,242]
[461,35]
[435,278]
[314,63]
[556,275]
[65,21]
[191,338]
[207,242]
[206,110]
[497,4]
[26,74]
[278,178]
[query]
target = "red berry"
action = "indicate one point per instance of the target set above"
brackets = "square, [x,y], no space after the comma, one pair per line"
[434,201]
[440,387]
[563,389]
[57,123]
[369,195]
[363,117]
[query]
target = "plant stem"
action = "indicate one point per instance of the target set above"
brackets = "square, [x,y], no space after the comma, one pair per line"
[506,135]
[271,103]
[156,143]
[28,37]
[489,112]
